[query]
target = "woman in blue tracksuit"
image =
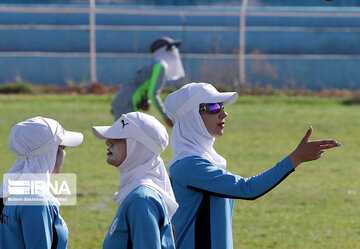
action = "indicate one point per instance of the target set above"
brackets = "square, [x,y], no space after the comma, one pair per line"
[145,197]
[31,219]
[203,188]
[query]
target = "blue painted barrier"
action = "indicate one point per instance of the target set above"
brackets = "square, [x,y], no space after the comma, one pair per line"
[275,47]
[311,72]
[137,40]
[195,19]
[194,2]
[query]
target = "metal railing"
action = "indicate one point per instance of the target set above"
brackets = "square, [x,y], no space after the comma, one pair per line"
[92,11]
[243,12]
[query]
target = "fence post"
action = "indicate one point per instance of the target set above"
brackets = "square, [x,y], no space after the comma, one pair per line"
[242,27]
[93,76]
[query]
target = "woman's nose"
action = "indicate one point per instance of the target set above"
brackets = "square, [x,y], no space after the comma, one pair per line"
[222,114]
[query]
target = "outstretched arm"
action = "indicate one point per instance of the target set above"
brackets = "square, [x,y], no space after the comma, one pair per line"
[311,150]
[201,175]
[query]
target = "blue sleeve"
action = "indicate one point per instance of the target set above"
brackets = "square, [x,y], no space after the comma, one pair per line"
[36,224]
[144,217]
[205,177]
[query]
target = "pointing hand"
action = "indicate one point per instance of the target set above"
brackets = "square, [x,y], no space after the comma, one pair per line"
[311,150]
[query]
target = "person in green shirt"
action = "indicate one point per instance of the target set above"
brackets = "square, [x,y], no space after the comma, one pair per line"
[146,85]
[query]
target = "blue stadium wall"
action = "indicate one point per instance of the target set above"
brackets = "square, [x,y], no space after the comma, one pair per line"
[293,52]
[346,3]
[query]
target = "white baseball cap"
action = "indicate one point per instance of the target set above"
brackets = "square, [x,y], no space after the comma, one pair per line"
[36,136]
[142,127]
[180,102]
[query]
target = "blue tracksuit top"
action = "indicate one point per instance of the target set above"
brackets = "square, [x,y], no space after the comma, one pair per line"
[141,222]
[206,193]
[32,227]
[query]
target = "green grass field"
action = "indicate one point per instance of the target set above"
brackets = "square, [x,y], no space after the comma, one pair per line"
[315,207]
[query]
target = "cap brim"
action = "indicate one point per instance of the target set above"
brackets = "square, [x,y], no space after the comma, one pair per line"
[105,132]
[71,139]
[226,98]
[177,43]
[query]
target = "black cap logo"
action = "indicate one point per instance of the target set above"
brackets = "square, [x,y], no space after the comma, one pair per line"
[123,123]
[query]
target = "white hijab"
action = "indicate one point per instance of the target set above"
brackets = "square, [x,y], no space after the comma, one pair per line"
[171,60]
[142,167]
[35,141]
[189,137]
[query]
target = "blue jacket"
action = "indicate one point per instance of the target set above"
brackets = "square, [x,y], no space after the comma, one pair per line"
[141,222]
[32,227]
[206,193]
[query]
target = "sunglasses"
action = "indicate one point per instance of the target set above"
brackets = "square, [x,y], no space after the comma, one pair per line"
[212,108]
[171,47]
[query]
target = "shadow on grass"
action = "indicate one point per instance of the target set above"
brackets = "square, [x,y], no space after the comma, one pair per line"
[352,101]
